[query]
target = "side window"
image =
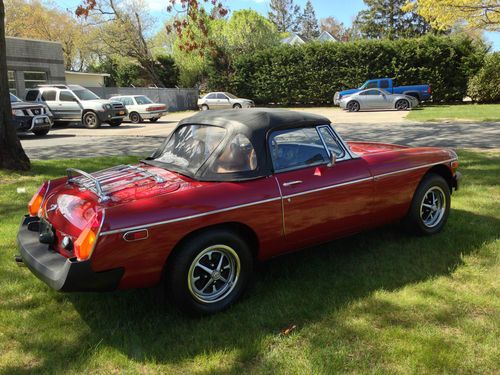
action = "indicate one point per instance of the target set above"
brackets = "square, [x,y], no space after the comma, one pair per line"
[295,148]
[31,95]
[238,156]
[331,143]
[126,101]
[66,96]
[221,96]
[49,95]
[211,96]
[384,84]
[372,92]
[372,85]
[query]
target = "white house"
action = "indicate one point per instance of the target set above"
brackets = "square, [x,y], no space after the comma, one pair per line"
[296,39]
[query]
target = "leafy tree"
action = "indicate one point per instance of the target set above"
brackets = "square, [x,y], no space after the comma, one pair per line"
[443,14]
[168,71]
[485,85]
[387,19]
[309,22]
[285,15]
[12,155]
[246,31]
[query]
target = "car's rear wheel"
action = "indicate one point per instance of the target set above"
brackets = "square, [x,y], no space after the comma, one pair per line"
[353,106]
[209,272]
[135,117]
[40,132]
[402,105]
[90,120]
[237,106]
[204,107]
[430,206]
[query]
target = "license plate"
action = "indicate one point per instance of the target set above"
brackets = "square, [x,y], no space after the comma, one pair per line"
[121,112]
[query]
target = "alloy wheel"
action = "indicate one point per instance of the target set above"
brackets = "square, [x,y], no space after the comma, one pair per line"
[214,273]
[433,207]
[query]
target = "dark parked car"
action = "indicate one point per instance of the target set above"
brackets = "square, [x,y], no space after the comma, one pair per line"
[30,117]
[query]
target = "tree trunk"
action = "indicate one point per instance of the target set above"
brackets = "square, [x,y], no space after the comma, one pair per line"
[12,155]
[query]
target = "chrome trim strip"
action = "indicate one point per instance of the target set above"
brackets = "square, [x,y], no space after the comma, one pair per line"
[189,217]
[328,187]
[269,200]
[412,168]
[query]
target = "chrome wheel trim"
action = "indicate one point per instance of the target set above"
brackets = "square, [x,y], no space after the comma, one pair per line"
[402,104]
[214,273]
[90,119]
[433,207]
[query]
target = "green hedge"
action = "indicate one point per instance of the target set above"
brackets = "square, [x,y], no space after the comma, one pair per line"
[313,72]
[485,85]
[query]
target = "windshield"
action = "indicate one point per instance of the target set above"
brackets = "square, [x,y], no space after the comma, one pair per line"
[14,98]
[190,147]
[231,95]
[83,94]
[143,100]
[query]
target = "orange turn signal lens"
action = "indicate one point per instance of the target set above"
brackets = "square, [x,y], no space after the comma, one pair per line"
[85,244]
[454,165]
[36,202]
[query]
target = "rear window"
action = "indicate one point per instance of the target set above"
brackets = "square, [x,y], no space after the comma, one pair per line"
[49,95]
[238,156]
[190,146]
[32,95]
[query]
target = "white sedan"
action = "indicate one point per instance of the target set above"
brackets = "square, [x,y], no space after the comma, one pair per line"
[140,108]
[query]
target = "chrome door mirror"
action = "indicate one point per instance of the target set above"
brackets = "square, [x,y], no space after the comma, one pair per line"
[333,159]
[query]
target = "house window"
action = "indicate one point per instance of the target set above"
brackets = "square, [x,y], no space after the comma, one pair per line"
[33,79]
[12,82]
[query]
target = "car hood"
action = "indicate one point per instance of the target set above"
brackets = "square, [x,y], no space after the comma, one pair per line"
[349,92]
[25,105]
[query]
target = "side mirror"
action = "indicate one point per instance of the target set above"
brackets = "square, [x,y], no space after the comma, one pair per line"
[333,160]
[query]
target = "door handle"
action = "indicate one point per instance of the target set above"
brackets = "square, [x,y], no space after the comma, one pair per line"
[290,183]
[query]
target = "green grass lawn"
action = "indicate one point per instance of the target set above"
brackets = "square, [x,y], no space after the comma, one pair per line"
[380,302]
[472,112]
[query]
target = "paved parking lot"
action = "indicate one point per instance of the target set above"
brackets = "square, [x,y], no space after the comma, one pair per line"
[142,139]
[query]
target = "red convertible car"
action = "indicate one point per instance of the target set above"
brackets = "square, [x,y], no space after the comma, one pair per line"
[227,189]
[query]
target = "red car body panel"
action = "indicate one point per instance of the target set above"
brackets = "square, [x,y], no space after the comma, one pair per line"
[328,203]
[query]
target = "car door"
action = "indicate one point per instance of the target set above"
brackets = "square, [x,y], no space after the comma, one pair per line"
[48,97]
[68,106]
[211,100]
[320,202]
[374,99]
[223,101]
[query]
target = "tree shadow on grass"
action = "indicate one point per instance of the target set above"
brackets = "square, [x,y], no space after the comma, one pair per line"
[302,288]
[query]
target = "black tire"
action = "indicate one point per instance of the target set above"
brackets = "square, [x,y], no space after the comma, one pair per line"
[417,221]
[154,119]
[184,278]
[115,123]
[40,132]
[90,120]
[135,117]
[237,106]
[353,106]
[204,107]
[402,105]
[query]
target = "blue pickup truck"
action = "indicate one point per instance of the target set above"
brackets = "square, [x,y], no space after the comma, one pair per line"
[421,92]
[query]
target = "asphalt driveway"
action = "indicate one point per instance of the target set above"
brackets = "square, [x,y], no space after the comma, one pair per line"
[143,139]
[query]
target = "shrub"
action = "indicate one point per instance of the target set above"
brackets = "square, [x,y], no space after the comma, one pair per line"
[313,72]
[485,85]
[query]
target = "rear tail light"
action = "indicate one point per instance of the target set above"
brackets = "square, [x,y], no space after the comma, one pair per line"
[155,108]
[36,201]
[85,243]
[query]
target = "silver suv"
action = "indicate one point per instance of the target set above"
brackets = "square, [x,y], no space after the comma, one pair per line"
[73,103]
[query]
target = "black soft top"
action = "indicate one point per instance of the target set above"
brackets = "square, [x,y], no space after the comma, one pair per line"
[255,124]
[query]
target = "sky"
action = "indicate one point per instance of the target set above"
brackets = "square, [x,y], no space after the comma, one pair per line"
[343,10]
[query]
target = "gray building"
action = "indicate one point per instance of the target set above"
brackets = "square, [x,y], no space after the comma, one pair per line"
[33,62]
